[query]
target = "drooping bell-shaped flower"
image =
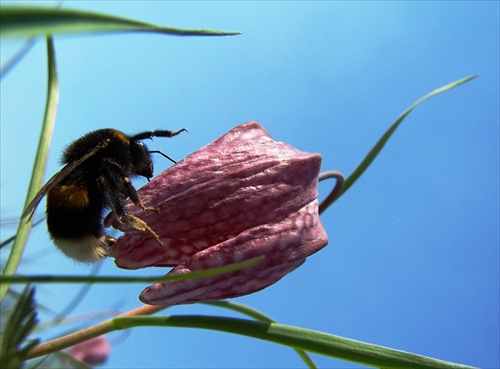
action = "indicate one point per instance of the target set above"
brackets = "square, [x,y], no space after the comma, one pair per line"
[94,351]
[242,196]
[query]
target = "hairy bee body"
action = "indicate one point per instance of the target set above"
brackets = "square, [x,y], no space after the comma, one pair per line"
[75,206]
[96,177]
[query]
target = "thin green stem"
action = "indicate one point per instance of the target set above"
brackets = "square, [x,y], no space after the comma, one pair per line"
[336,191]
[88,333]
[39,166]
[365,163]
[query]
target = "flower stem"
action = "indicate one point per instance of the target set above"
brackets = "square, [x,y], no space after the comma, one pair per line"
[88,333]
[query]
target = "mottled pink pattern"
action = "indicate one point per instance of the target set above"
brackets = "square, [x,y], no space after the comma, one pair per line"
[95,351]
[242,196]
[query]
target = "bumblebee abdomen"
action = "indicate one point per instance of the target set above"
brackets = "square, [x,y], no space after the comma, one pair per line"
[68,197]
[73,212]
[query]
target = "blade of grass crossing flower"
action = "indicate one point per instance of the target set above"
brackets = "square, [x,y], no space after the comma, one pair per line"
[112,279]
[365,163]
[305,339]
[39,166]
[33,21]
[261,317]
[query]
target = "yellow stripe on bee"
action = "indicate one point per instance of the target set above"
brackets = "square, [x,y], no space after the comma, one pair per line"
[121,136]
[68,196]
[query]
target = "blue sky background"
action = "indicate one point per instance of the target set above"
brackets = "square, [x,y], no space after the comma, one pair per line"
[413,259]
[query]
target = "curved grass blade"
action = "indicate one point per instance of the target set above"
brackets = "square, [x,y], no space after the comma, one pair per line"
[305,339]
[38,21]
[299,338]
[335,192]
[365,163]
[40,164]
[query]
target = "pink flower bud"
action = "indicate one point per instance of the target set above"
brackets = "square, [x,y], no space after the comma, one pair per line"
[93,352]
[242,196]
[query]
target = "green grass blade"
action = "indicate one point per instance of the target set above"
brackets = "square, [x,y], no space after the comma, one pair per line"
[299,338]
[305,339]
[365,163]
[40,164]
[38,21]
[112,279]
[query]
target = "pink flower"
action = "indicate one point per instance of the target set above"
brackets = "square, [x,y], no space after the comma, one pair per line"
[95,351]
[242,196]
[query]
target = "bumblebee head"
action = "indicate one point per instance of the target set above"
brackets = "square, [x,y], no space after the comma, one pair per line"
[141,159]
[141,156]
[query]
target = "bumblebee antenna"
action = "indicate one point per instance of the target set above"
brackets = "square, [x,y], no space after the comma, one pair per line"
[165,155]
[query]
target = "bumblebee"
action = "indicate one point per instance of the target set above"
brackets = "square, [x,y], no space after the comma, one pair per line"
[96,177]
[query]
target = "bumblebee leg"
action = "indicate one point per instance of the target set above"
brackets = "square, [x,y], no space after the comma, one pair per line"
[134,196]
[114,201]
[139,225]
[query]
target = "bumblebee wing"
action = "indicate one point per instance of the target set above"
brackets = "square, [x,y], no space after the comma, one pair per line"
[58,177]
[55,179]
